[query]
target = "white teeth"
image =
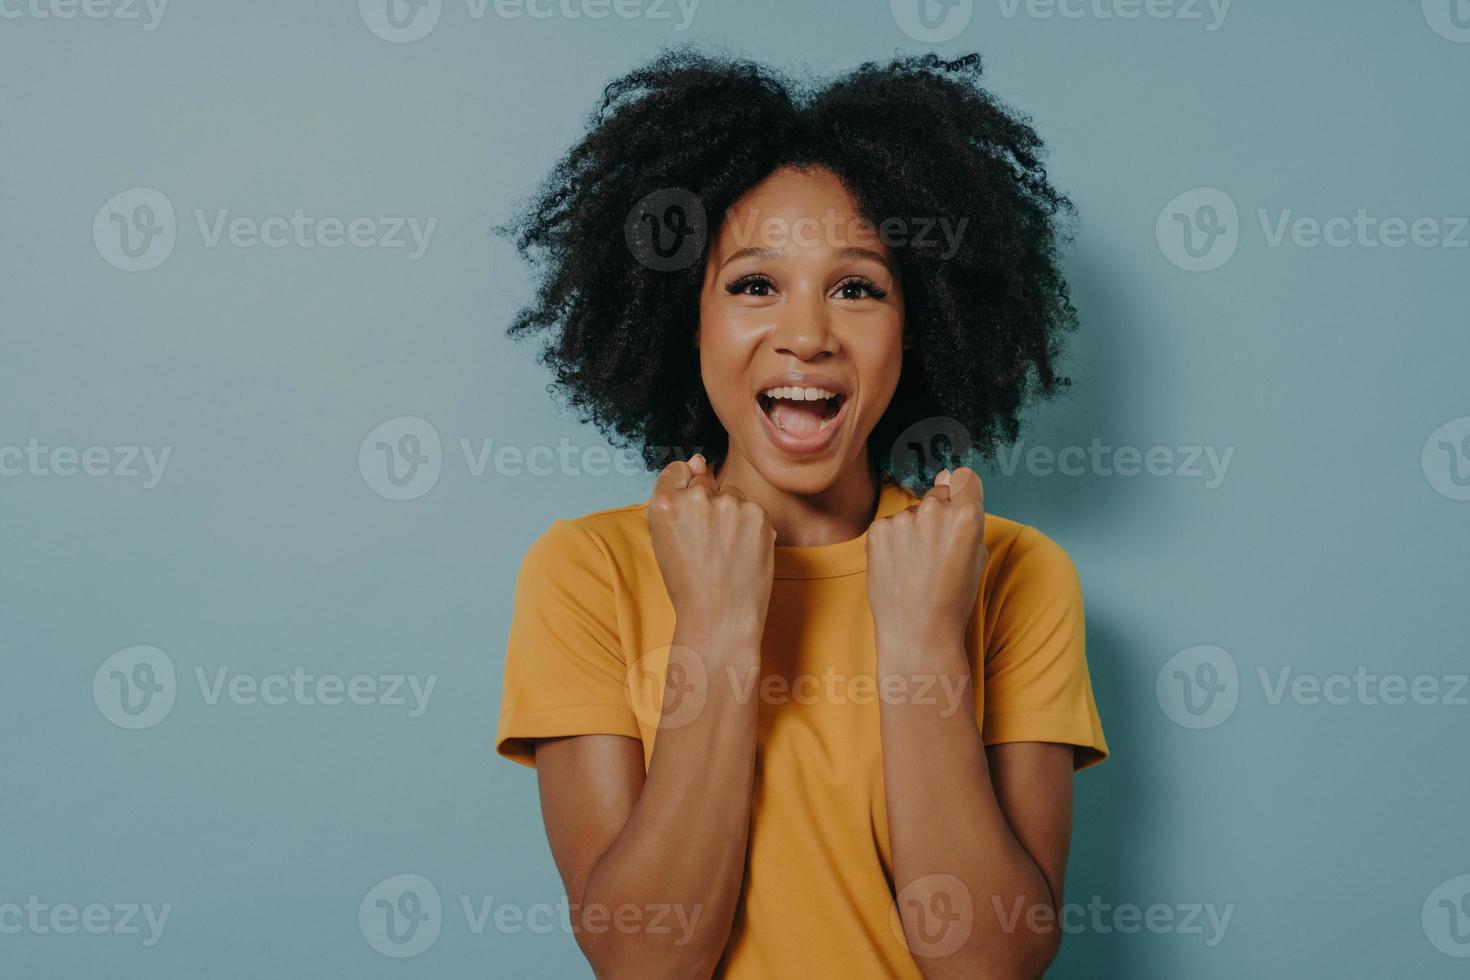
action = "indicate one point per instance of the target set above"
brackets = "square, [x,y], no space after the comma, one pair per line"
[800,394]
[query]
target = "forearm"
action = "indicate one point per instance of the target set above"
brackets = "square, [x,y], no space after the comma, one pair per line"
[683,847]
[944,819]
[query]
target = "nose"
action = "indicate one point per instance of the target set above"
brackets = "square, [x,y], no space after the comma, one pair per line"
[804,328]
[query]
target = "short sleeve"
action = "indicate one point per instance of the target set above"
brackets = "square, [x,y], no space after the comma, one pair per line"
[564,670]
[1037,687]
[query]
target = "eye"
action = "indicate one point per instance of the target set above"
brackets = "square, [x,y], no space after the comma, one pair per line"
[860,287]
[752,285]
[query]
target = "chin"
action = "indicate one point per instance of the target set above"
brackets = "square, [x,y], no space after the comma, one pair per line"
[801,477]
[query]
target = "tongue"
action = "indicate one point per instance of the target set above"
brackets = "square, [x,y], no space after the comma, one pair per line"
[799,418]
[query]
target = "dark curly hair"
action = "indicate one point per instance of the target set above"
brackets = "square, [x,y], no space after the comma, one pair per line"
[916,136]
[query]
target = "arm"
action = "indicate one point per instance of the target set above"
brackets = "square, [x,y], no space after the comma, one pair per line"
[985,834]
[979,839]
[667,850]
[675,839]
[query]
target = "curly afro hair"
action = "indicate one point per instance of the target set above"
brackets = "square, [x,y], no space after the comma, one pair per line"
[917,136]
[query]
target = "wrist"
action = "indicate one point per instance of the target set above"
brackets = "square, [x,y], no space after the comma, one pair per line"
[934,649]
[732,643]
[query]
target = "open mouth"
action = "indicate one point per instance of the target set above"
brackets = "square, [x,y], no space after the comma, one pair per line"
[802,412]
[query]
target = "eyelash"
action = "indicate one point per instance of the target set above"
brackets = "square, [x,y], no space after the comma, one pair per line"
[740,285]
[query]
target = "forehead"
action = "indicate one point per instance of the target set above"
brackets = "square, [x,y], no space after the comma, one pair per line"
[796,210]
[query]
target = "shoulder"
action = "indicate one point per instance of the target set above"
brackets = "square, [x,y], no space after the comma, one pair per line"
[1025,564]
[593,541]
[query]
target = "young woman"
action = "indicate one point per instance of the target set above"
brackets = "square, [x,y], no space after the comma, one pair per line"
[789,718]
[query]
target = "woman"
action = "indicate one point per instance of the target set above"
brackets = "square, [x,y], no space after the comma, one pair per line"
[790,719]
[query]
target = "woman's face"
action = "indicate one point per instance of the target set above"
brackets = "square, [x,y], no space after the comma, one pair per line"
[800,330]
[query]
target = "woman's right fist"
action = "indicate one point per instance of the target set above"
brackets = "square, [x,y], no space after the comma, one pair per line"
[716,551]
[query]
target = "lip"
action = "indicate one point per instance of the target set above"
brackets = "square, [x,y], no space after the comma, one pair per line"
[817,441]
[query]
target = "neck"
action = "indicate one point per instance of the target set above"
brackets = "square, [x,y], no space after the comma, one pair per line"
[841,512]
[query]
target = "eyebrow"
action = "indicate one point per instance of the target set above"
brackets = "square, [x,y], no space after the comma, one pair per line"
[858,252]
[754,251]
[771,252]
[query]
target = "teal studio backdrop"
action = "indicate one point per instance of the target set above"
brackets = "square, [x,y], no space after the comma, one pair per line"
[251,675]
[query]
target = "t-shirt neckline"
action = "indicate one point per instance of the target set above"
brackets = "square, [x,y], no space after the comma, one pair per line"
[844,557]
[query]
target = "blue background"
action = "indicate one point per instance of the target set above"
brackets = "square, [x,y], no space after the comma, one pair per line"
[266,547]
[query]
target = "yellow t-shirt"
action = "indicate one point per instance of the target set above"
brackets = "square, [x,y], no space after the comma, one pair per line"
[592,625]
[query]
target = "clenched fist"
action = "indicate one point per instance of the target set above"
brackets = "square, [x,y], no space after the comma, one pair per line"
[716,551]
[925,565]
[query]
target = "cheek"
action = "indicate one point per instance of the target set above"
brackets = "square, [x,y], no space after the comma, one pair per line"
[883,363]
[719,359]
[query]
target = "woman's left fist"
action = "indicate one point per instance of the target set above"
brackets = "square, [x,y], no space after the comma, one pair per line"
[925,565]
